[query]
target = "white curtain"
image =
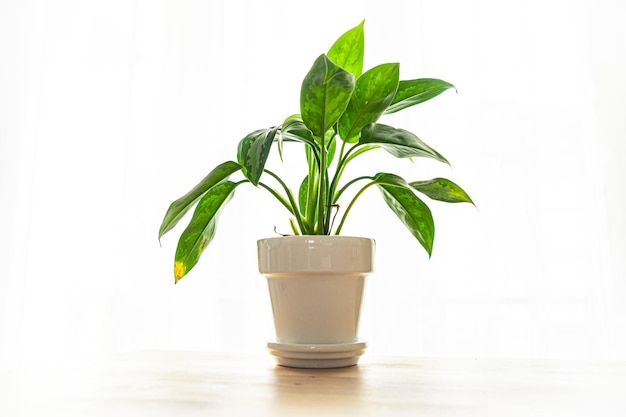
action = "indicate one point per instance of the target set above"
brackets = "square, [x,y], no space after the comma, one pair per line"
[109,110]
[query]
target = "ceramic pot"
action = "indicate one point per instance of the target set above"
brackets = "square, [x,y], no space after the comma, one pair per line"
[316,287]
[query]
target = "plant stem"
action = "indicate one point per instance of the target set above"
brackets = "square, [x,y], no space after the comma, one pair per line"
[322,192]
[294,227]
[311,206]
[345,214]
[345,187]
[277,196]
[343,147]
[342,162]
[294,207]
[338,171]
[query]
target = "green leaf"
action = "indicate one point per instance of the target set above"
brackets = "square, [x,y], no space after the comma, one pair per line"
[412,92]
[391,179]
[373,92]
[349,49]
[201,228]
[398,142]
[295,128]
[325,93]
[179,207]
[303,194]
[442,189]
[412,211]
[290,137]
[253,151]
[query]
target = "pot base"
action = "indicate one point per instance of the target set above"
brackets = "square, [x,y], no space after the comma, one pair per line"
[337,355]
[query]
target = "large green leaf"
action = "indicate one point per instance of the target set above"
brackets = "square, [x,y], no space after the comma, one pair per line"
[201,228]
[398,142]
[412,211]
[412,92]
[253,151]
[325,93]
[179,207]
[373,92]
[348,50]
[442,189]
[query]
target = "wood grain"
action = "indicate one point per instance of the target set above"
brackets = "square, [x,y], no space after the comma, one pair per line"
[207,384]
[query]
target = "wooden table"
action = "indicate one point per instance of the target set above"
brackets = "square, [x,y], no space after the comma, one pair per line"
[190,384]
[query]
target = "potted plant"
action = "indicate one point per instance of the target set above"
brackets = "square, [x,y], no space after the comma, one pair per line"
[316,276]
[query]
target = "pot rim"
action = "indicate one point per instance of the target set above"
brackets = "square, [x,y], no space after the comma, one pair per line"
[320,237]
[316,254]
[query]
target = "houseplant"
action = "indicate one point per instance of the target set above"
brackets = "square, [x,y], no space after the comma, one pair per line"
[340,106]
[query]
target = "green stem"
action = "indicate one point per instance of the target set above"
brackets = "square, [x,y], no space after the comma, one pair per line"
[340,159]
[360,151]
[337,176]
[341,165]
[294,207]
[322,192]
[345,187]
[311,206]
[294,227]
[345,214]
[278,197]
[331,189]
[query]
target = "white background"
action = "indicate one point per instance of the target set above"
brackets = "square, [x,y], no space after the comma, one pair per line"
[109,110]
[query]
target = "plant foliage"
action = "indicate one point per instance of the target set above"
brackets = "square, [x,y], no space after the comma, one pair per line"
[340,106]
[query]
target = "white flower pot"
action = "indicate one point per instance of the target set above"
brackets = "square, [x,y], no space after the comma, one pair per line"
[316,287]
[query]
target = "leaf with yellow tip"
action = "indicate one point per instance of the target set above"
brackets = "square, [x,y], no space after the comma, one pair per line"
[179,271]
[201,228]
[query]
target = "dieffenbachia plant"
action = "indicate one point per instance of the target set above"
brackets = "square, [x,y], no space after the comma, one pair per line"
[340,106]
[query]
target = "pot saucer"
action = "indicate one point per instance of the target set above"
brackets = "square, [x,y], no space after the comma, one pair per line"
[332,355]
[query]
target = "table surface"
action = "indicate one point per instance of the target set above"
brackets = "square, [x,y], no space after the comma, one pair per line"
[162,383]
